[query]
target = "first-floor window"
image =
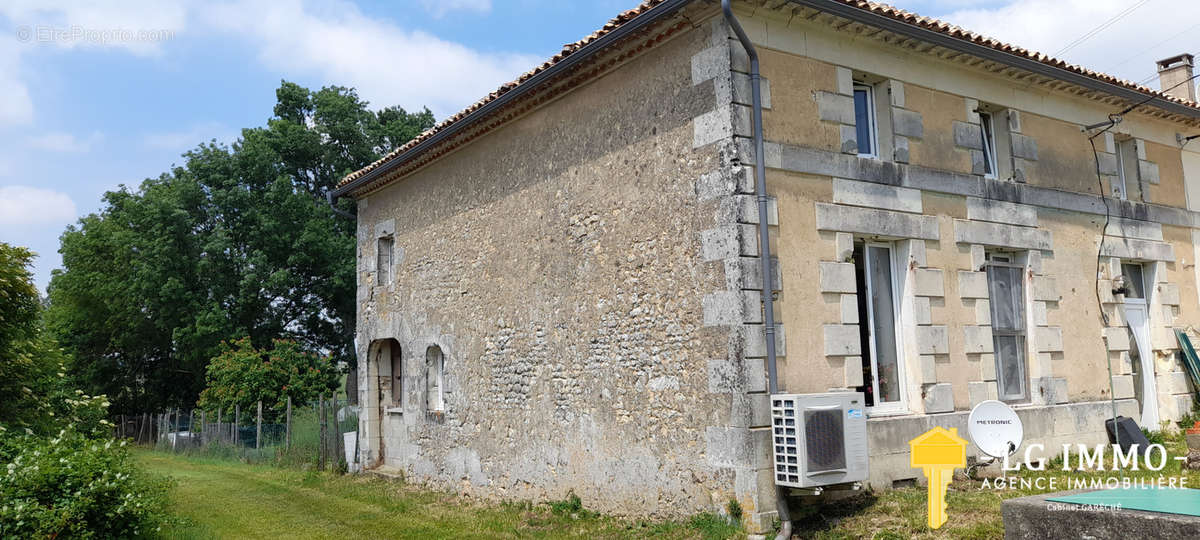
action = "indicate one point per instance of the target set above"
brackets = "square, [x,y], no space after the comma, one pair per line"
[397,374]
[878,321]
[1006,292]
[435,374]
[383,263]
[864,119]
[987,127]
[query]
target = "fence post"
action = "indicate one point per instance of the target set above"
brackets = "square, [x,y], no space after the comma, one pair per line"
[287,429]
[258,429]
[321,431]
[203,426]
[237,419]
[339,445]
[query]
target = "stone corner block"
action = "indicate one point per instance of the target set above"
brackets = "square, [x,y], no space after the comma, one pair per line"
[939,398]
[837,277]
[842,340]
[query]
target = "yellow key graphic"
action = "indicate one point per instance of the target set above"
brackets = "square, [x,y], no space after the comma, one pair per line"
[938,452]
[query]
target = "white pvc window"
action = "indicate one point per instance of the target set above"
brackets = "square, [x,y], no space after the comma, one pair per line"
[879,324]
[866,130]
[1006,294]
[987,126]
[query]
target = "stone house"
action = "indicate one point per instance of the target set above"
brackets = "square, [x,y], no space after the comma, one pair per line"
[559,287]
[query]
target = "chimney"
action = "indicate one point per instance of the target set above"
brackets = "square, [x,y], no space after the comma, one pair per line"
[1173,71]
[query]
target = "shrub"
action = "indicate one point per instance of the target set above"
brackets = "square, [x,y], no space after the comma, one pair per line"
[70,486]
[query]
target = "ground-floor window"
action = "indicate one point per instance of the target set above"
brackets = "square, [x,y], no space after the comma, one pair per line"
[1006,294]
[878,319]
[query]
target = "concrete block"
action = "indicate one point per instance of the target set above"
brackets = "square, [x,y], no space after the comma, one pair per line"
[1058,391]
[849,308]
[742,91]
[853,369]
[732,307]
[1034,261]
[842,340]
[742,117]
[837,277]
[1048,339]
[915,250]
[730,240]
[999,234]
[844,246]
[1140,146]
[848,139]
[928,282]
[1108,164]
[896,92]
[978,257]
[968,135]
[987,367]
[932,340]
[834,217]
[1174,382]
[1133,228]
[972,284]
[972,111]
[1039,314]
[922,311]
[1014,121]
[979,209]
[755,374]
[1123,386]
[709,63]
[900,150]
[1024,147]
[981,391]
[1148,171]
[977,339]
[1163,339]
[837,108]
[1118,338]
[1045,288]
[928,368]
[983,311]
[772,155]
[907,123]
[1130,248]
[872,195]
[744,209]
[754,341]
[712,126]
[939,398]
[1168,294]
[845,81]
[746,273]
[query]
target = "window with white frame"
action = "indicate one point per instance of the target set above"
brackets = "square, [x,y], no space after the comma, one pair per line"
[383,263]
[879,324]
[1127,162]
[435,375]
[987,124]
[1006,294]
[864,120]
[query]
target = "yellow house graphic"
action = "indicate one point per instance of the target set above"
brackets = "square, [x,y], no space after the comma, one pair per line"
[938,452]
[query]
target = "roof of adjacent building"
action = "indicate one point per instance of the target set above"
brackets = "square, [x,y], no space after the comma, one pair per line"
[896,14]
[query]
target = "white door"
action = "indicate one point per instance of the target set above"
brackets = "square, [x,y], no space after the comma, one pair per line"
[883,329]
[1139,325]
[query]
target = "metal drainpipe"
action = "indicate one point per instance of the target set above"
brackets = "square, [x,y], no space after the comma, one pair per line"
[332,206]
[764,243]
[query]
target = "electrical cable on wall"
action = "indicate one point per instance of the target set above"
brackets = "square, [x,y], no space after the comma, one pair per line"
[1113,120]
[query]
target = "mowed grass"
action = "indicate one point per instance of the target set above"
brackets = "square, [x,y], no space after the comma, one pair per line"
[225,499]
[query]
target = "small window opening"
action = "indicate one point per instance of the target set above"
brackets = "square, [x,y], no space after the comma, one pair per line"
[1127,174]
[1006,294]
[397,375]
[435,366]
[864,120]
[1135,281]
[384,264]
[988,129]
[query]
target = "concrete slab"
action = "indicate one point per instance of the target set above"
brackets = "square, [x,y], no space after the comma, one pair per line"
[1036,517]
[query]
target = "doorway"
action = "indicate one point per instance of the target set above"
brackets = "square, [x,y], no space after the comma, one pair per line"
[1141,356]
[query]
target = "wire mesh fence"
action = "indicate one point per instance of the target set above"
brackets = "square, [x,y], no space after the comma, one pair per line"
[322,434]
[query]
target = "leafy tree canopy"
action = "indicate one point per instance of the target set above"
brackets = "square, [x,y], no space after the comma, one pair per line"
[238,241]
[242,375]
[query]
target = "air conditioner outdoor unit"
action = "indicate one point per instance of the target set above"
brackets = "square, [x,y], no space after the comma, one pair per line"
[820,439]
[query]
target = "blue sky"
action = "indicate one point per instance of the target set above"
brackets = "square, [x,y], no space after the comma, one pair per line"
[81,114]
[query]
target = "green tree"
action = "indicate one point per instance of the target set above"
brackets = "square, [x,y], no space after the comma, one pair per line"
[243,375]
[237,241]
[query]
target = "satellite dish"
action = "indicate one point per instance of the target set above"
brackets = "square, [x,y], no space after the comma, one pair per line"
[995,428]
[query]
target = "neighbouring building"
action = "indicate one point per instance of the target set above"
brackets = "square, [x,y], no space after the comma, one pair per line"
[558,287]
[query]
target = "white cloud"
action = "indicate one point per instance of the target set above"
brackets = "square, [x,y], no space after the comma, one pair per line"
[136,26]
[1127,49]
[23,205]
[389,65]
[16,107]
[439,8]
[64,142]
[187,139]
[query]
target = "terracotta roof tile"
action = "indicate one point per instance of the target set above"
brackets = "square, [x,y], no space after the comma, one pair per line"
[875,7]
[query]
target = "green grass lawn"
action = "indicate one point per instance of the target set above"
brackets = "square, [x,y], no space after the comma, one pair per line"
[226,499]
